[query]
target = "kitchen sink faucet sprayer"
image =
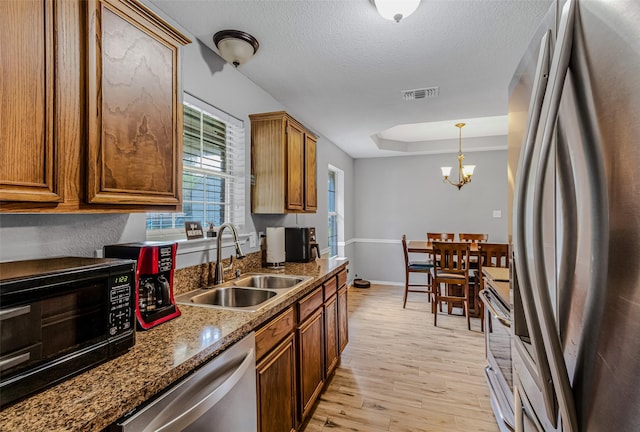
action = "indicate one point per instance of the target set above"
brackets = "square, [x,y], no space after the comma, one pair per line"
[220,269]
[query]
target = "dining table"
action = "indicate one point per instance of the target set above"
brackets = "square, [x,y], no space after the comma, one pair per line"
[426,247]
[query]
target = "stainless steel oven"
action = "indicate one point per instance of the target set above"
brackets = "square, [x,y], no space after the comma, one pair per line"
[499,375]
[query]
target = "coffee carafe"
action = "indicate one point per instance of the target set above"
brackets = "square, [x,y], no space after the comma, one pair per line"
[154,279]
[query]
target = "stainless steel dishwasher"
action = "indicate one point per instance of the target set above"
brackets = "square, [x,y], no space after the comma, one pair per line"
[218,397]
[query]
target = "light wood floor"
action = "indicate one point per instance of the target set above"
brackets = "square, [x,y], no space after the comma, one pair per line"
[400,373]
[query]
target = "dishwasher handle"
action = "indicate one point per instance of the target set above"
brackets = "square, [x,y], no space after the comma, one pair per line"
[205,404]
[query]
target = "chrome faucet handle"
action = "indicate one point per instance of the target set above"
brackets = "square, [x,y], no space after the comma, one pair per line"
[230,266]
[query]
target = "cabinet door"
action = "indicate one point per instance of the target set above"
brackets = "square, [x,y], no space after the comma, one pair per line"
[343,318]
[135,106]
[310,184]
[277,389]
[295,167]
[27,149]
[331,334]
[311,343]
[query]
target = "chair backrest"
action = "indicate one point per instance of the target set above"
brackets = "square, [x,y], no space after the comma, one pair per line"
[441,237]
[452,257]
[405,249]
[493,255]
[473,238]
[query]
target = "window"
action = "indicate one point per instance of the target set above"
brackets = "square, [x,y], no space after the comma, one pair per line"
[335,211]
[213,171]
[333,216]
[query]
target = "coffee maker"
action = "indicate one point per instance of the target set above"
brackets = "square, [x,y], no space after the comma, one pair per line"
[300,244]
[154,279]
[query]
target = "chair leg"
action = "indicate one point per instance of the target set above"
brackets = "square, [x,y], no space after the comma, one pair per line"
[466,312]
[406,289]
[434,308]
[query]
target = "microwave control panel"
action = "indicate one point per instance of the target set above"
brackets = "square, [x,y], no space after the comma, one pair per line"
[120,303]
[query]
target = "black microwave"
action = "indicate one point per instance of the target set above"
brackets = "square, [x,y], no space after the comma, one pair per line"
[61,316]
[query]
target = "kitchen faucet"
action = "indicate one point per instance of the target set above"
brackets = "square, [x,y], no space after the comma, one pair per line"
[218,277]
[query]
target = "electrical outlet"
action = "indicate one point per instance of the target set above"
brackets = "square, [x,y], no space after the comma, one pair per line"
[497,213]
[252,239]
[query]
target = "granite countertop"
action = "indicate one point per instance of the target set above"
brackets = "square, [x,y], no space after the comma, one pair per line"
[94,399]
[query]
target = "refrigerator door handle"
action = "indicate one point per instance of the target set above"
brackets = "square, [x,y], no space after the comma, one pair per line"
[544,309]
[519,226]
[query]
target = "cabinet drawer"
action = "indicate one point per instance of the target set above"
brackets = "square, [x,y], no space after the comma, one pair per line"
[310,303]
[276,330]
[342,277]
[330,287]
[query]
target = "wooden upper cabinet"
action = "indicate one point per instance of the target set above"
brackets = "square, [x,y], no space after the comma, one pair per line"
[310,188]
[92,107]
[283,165]
[135,106]
[27,149]
[295,166]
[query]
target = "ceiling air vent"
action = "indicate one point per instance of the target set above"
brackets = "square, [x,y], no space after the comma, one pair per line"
[422,93]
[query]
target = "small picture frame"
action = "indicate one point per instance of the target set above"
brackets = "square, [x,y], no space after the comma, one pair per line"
[193,230]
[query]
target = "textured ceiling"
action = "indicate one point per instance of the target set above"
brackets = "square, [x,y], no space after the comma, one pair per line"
[340,68]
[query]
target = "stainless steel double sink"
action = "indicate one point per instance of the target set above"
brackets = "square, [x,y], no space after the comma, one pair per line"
[249,293]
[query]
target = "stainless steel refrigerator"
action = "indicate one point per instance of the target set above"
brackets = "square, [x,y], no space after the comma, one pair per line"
[574,126]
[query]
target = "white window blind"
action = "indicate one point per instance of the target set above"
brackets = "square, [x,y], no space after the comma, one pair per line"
[213,187]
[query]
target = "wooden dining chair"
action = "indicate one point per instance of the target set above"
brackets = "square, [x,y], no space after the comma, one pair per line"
[452,269]
[431,237]
[473,238]
[423,267]
[490,255]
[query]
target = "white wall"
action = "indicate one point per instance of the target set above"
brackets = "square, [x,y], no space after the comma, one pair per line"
[405,195]
[208,77]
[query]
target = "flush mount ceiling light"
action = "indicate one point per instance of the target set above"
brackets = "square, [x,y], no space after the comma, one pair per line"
[464,172]
[396,9]
[235,46]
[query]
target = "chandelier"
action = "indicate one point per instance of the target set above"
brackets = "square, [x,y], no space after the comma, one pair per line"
[464,172]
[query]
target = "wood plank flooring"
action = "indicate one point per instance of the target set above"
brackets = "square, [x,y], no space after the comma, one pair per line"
[400,373]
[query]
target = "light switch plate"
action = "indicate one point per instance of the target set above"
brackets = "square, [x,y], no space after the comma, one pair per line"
[252,239]
[497,213]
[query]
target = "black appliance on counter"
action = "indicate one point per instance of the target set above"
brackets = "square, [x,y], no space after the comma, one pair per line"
[154,279]
[300,244]
[59,317]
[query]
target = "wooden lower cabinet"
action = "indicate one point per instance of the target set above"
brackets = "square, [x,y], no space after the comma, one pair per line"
[311,360]
[343,318]
[296,351]
[276,382]
[331,334]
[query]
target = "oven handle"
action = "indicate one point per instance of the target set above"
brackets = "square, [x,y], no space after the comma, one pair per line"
[485,299]
[14,312]
[498,405]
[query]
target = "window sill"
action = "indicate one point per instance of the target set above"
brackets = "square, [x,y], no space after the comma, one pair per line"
[205,244]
